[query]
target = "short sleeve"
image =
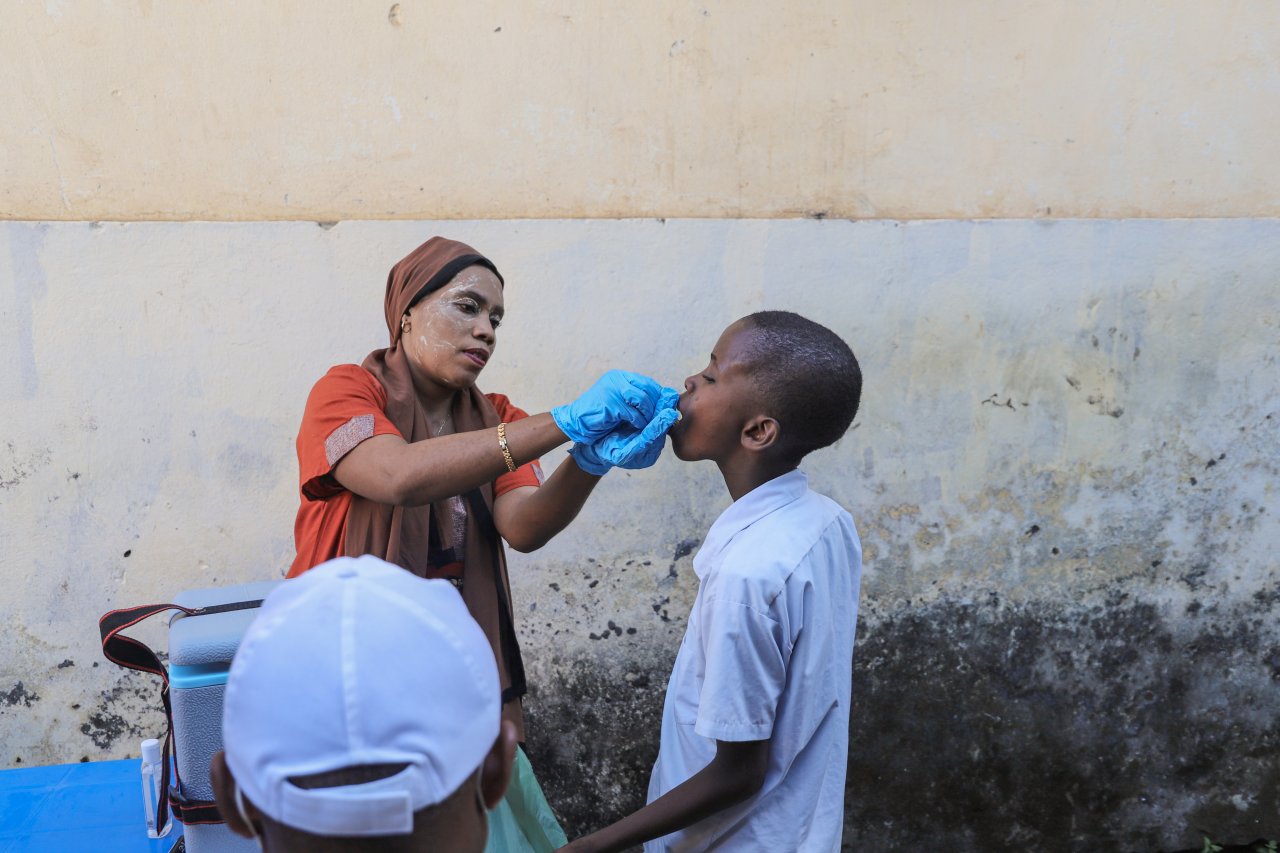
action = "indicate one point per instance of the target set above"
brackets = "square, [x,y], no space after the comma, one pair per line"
[745,672]
[344,408]
[529,474]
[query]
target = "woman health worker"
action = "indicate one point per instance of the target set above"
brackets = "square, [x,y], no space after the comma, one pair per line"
[404,458]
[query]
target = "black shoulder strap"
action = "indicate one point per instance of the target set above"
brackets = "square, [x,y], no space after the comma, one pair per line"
[131,654]
[506,619]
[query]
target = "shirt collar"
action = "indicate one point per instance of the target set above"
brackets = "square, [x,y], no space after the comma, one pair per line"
[746,511]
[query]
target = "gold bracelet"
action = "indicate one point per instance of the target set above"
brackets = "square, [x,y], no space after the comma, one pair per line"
[506,451]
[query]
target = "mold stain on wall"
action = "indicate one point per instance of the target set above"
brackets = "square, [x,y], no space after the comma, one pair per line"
[1043,726]
[985,725]
[1090,661]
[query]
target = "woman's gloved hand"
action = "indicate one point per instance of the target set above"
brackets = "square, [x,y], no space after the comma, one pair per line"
[631,449]
[586,458]
[627,447]
[618,397]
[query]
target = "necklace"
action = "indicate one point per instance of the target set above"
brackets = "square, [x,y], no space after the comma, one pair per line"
[438,429]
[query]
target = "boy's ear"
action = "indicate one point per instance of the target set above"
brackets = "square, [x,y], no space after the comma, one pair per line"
[760,433]
[495,773]
[224,794]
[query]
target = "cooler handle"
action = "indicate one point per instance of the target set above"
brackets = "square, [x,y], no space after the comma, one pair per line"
[131,654]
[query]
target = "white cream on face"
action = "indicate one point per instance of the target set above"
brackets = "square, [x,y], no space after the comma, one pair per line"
[446,306]
[444,322]
[426,323]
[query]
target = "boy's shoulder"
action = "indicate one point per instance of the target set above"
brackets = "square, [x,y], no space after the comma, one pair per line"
[789,531]
[765,554]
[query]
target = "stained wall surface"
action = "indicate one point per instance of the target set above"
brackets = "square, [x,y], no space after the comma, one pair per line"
[1048,230]
[1064,474]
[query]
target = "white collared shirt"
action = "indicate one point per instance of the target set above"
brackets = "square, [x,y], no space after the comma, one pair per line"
[768,653]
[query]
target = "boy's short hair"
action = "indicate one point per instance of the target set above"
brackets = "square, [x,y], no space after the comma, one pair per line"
[806,376]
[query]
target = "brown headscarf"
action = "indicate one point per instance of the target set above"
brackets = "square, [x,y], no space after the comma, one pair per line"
[400,534]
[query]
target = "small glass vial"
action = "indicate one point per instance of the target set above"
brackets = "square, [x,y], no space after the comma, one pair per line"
[152,768]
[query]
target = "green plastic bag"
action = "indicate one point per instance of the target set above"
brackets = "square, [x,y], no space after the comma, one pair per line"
[523,822]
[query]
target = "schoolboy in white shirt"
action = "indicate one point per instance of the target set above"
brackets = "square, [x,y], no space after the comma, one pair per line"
[755,730]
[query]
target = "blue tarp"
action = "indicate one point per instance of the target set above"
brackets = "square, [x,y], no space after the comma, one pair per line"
[92,806]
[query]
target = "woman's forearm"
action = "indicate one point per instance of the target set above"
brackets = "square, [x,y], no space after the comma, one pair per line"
[529,518]
[389,470]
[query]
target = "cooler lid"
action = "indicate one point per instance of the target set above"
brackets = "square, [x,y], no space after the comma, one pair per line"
[213,638]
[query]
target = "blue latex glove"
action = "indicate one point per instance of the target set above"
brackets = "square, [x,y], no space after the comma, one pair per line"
[588,460]
[637,448]
[626,447]
[618,397]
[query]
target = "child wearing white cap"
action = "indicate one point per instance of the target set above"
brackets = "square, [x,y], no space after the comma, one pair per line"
[363,712]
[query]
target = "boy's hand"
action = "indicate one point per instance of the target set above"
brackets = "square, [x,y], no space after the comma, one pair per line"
[735,774]
[617,397]
[576,846]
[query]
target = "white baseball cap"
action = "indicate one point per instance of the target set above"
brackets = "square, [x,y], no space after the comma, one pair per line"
[359,662]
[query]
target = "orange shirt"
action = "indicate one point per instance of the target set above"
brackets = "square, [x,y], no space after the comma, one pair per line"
[344,408]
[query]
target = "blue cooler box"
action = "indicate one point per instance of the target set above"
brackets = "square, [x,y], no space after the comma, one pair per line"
[200,653]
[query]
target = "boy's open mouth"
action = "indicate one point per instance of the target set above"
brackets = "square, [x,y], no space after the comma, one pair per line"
[681,421]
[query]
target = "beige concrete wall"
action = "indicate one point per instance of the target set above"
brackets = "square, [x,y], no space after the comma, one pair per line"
[1065,467]
[1064,473]
[724,108]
